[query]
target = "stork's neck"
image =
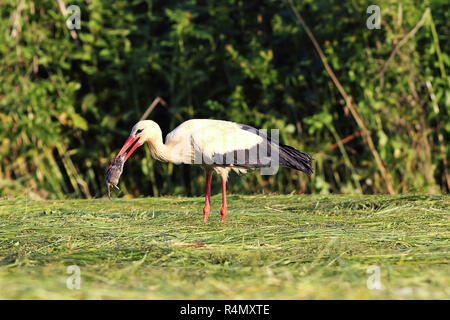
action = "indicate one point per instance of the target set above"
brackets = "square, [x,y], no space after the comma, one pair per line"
[158,149]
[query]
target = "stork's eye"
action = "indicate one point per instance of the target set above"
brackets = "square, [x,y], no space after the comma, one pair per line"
[139,131]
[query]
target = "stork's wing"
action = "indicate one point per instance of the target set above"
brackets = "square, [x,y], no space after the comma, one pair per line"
[230,144]
[217,142]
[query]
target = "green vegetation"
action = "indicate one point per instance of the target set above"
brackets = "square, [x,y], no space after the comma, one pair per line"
[270,247]
[68,100]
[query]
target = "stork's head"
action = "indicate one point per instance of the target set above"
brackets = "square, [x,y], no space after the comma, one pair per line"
[143,131]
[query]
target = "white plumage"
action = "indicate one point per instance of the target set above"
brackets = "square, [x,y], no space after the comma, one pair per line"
[210,137]
[216,145]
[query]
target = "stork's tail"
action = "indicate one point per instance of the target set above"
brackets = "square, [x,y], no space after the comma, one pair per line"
[295,159]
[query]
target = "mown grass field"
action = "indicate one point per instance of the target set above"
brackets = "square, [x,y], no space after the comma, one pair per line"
[270,247]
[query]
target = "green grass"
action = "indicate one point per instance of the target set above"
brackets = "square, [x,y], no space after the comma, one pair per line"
[270,247]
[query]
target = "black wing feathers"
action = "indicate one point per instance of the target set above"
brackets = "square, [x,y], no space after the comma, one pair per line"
[260,155]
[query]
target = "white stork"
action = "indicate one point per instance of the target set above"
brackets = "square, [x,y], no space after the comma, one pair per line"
[218,146]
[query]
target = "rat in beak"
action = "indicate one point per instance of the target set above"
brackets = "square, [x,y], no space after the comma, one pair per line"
[139,134]
[114,172]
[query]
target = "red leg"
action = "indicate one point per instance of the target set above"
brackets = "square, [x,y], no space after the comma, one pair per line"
[223,211]
[207,207]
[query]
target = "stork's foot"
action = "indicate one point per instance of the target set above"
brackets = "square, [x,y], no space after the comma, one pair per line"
[206,210]
[223,212]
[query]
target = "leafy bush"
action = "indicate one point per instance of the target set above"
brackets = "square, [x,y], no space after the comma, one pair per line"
[68,99]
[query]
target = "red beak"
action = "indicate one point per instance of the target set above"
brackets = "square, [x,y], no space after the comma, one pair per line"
[132,144]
